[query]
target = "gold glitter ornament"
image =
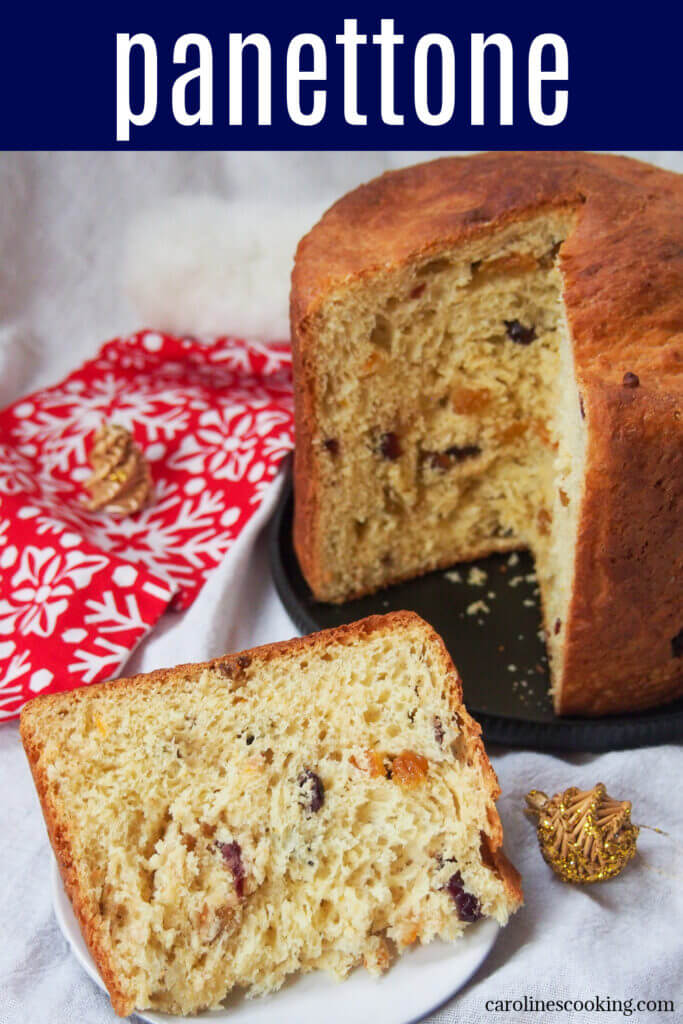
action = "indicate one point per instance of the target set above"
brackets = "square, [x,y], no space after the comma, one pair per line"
[121,482]
[584,835]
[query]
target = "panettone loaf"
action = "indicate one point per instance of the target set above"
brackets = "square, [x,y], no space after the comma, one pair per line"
[316,804]
[488,356]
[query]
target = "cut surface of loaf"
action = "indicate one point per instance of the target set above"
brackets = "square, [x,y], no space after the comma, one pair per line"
[317,804]
[488,356]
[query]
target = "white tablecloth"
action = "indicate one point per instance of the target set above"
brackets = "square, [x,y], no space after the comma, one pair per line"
[60,233]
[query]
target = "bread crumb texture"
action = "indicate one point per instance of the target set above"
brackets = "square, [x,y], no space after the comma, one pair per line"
[319,805]
[455,418]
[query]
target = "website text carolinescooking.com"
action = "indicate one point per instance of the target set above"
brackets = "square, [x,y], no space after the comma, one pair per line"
[595,1004]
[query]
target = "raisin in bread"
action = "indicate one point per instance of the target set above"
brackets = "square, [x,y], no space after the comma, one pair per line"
[488,355]
[316,804]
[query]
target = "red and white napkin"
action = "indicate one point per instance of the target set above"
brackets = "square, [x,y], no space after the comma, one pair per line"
[79,590]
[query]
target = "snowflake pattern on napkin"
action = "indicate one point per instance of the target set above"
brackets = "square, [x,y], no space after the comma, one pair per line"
[78,589]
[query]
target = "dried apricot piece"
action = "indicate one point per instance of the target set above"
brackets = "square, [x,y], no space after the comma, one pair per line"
[372,763]
[466,401]
[410,932]
[409,769]
[544,519]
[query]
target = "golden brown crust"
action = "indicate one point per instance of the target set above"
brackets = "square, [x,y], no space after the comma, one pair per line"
[58,828]
[622,267]
[347,633]
[63,848]
[476,753]
[626,602]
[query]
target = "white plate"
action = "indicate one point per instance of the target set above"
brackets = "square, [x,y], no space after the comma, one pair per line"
[419,982]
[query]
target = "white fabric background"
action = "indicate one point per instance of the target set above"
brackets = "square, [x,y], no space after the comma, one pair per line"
[62,222]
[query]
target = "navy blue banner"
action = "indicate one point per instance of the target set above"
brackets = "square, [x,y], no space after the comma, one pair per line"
[223,76]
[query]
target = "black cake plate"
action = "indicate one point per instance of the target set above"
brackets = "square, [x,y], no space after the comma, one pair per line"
[489,616]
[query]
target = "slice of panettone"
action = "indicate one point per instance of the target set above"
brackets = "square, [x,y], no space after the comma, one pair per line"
[316,804]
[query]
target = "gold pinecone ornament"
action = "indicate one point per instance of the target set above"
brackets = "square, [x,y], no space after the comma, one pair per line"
[121,482]
[585,836]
